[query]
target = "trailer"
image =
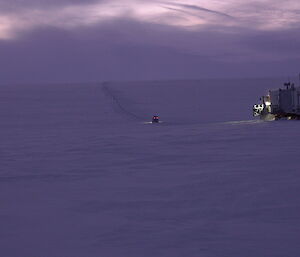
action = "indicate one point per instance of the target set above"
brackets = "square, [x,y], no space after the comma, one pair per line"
[280,103]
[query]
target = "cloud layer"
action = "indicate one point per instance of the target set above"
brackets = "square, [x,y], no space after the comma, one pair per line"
[19,16]
[198,37]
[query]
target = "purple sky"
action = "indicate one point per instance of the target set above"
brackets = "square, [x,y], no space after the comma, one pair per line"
[92,40]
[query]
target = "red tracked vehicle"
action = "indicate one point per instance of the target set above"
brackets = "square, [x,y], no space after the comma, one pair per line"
[155,119]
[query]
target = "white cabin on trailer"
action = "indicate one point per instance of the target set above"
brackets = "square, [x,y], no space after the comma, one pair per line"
[285,100]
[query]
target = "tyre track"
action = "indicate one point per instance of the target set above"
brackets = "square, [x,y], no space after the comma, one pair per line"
[116,103]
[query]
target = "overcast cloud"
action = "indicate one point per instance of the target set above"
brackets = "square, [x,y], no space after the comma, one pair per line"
[76,40]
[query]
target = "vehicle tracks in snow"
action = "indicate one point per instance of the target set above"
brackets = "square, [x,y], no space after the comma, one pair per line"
[117,104]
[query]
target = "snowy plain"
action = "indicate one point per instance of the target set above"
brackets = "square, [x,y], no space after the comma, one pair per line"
[84,174]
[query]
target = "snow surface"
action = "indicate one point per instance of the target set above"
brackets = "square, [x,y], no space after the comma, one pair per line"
[84,174]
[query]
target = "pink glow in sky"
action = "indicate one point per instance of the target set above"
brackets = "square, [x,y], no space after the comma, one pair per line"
[190,14]
[84,40]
